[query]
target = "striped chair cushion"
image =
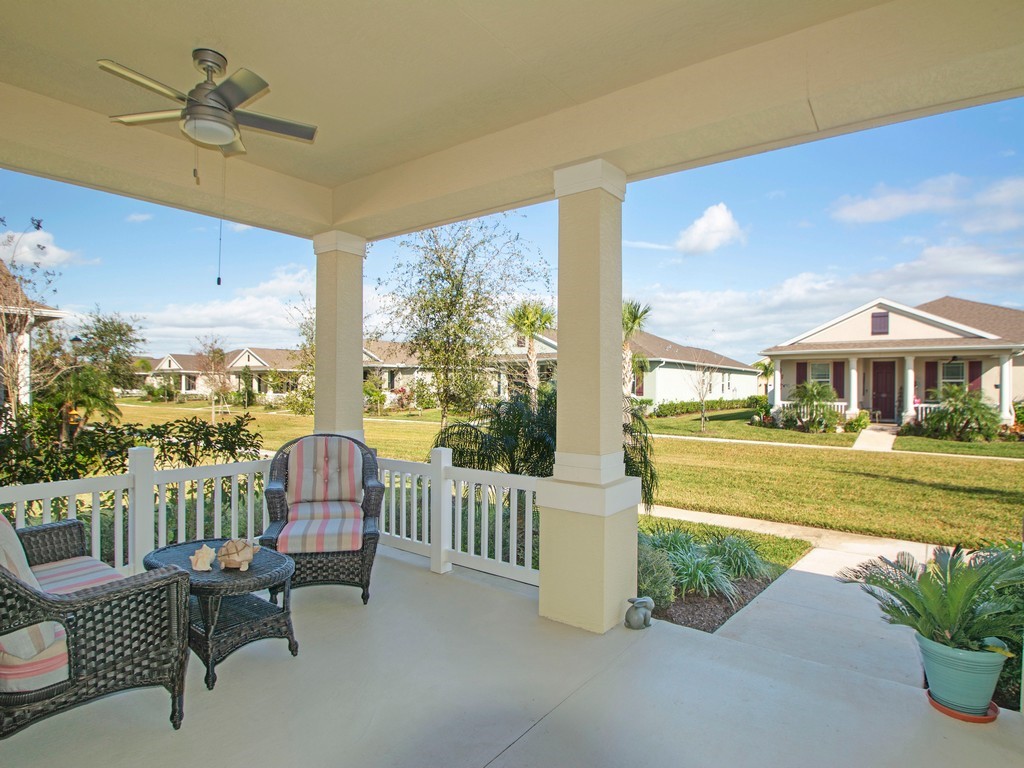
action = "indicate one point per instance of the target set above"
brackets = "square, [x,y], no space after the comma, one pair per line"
[45,668]
[63,576]
[27,642]
[324,535]
[325,468]
[322,510]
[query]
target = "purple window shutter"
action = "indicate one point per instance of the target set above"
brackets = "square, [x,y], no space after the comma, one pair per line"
[801,373]
[974,375]
[839,378]
[931,378]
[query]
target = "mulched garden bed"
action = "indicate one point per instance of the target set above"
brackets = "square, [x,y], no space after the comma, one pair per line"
[709,613]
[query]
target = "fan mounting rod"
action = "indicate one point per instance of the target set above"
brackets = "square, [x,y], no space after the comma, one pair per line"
[209,62]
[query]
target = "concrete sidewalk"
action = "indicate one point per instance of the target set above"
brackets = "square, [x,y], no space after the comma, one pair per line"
[807,614]
[877,437]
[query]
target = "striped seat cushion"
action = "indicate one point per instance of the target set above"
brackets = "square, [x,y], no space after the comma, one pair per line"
[50,666]
[322,535]
[26,642]
[325,468]
[63,576]
[323,510]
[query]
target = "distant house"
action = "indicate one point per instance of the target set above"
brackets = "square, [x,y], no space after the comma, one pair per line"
[392,361]
[674,368]
[20,316]
[891,358]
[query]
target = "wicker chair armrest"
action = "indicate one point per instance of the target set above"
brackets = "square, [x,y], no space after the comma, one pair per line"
[158,578]
[53,541]
[370,527]
[277,501]
[373,497]
[269,537]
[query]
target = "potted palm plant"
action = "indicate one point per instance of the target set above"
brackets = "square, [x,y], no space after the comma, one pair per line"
[956,604]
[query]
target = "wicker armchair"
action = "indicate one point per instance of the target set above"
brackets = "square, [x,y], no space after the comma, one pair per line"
[348,566]
[128,633]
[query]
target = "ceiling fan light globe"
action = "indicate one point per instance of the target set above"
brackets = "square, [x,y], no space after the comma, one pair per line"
[209,130]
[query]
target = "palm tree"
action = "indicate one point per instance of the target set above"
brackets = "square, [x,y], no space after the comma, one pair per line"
[528,319]
[634,317]
[766,370]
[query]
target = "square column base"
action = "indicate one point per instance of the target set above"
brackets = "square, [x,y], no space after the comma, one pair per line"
[588,558]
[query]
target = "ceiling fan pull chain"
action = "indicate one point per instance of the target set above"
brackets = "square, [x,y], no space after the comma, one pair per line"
[195,166]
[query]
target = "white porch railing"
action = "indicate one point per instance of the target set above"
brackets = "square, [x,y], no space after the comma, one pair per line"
[838,405]
[921,410]
[481,520]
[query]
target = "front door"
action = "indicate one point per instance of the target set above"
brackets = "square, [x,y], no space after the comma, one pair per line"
[883,389]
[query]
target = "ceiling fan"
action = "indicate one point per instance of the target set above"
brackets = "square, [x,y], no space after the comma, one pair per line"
[210,114]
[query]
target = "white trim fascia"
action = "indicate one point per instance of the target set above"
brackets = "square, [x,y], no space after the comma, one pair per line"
[370,354]
[163,360]
[741,369]
[593,174]
[245,350]
[885,352]
[902,308]
[336,240]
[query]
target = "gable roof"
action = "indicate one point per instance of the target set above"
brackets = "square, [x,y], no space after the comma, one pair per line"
[1003,322]
[657,348]
[390,353]
[265,358]
[983,325]
[12,297]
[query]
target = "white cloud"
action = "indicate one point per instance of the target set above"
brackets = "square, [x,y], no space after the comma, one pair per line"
[288,281]
[235,227]
[646,245]
[36,246]
[135,218]
[714,229]
[886,204]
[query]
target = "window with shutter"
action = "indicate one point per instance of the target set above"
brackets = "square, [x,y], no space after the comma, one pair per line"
[974,375]
[801,373]
[839,378]
[879,323]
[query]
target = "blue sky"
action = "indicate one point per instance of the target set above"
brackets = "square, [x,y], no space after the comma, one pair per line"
[734,257]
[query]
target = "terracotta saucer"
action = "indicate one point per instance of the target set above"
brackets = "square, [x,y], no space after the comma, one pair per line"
[988,717]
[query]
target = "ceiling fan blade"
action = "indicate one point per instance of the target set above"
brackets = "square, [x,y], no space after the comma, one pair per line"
[241,87]
[139,79]
[276,125]
[141,118]
[234,148]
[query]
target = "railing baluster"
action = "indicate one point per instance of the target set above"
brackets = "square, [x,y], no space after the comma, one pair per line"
[513,526]
[72,511]
[471,533]
[250,506]
[424,509]
[118,529]
[96,526]
[234,506]
[485,520]
[182,493]
[499,521]
[161,514]
[200,509]
[405,512]
[218,515]
[457,516]
[19,514]
[531,498]
[391,484]
[47,513]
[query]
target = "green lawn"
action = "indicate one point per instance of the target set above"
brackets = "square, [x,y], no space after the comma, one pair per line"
[1013,450]
[733,425]
[918,497]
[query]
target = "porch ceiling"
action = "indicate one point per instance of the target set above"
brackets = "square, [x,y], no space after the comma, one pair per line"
[430,112]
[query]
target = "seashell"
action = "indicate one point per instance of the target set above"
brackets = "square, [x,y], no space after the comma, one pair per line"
[202,558]
[236,553]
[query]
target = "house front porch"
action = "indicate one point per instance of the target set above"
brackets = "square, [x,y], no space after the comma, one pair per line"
[459,670]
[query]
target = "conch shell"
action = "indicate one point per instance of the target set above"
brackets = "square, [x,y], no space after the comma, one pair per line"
[236,553]
[202,558]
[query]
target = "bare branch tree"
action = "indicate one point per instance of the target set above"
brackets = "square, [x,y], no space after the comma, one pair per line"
[703,384]
[212,362]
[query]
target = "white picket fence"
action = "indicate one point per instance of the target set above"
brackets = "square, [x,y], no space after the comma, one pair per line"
[838,406]
[494,530]
[921,410]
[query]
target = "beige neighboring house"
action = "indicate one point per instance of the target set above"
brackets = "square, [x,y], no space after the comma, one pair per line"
[674,369]
[183,372]
[397,367]
[21,316]
[261,361]
[890,358]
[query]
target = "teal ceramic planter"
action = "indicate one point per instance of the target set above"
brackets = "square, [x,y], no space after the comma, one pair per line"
[960,680]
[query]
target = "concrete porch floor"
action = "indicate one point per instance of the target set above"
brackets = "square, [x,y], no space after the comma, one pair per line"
[458,670]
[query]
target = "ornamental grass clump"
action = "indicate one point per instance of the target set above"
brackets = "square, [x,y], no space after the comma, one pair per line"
[738,556]
[703,574]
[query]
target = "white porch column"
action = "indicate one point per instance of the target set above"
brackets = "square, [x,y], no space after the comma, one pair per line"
[853,393]
[777,383]
[24,383]
[908,388]
[1006,389]
[588,509]
[339,333]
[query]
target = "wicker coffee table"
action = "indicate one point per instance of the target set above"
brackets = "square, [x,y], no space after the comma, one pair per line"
[223,614]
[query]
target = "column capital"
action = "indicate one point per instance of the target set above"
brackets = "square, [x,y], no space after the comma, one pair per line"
[593,174]
[336,240]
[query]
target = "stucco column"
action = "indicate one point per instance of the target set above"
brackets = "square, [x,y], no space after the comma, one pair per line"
[24,382]
[853,393]
[339,333]
[777,383]
[908,388]
[1006,389]
[588,509]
